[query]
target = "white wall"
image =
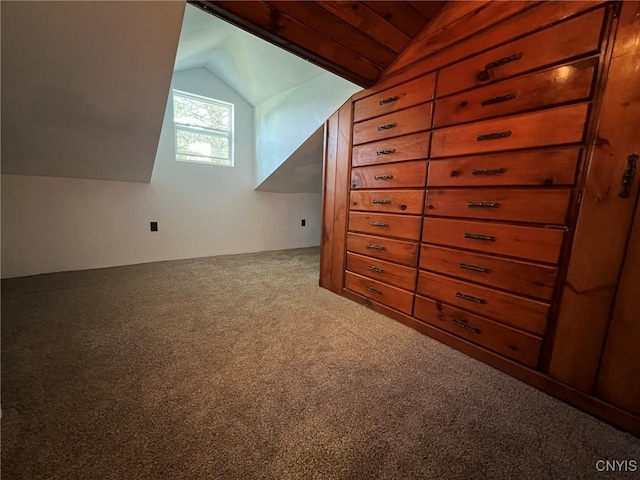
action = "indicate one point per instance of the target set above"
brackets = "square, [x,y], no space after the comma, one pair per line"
[285,121]
[52,224]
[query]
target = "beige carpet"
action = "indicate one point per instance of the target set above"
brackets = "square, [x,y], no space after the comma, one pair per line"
[241,367]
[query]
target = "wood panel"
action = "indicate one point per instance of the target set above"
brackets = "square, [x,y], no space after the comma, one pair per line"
[393,297]
[539,167]
[460,20]
[513,310]
[621,356]
[529,243]
[400,251]
[405,174]
[404,16]
[512,275]
[604,220]
[523,205]
[558,126]
[335,198]
[531,20]
[409,120]
[547,88]
[406,227]
[507,341]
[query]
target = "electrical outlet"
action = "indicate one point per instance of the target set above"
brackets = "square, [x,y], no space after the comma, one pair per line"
[303,222]
[154,226]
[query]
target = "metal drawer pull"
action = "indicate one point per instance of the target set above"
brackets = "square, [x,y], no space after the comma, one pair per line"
[471,298]
[477,236]
[373,290]
[386,151]
[376,269]
[499,99]
[627,176]
[488,171]
[376,247]
[388,100]
[383,177]
[502,61]
[493,136]
[379,224]
[387,126]
[466,266]
[465,325]
[484,204]
[386,202]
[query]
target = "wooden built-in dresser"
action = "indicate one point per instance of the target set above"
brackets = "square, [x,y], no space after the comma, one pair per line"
[454,187]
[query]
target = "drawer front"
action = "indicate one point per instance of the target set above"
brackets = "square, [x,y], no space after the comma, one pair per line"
[393,297]
[543,89]
[529,243]
[540,167]
[579,36]
[519,346]
[396,149]
[410,120]
[386,272]
[557,126]
[534,205]
[518,312]
[399,226]
[513,275]
[396,98]
[408,174]
[390,201]
[399,251]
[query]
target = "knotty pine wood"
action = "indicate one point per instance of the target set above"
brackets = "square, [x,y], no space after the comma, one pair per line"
[410,202]
[404,174]
[387,272]
[397,298]
[516,276]
[547,206]
[502,339]
[527,243]
[396,149]
[519,312]
[406,227]
[604,220]
[557,126]
[409,120]
[398,251]
[534,168]
[403,16]
[566,83]
[621,356]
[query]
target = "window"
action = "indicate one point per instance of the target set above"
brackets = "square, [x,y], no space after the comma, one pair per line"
[204,129]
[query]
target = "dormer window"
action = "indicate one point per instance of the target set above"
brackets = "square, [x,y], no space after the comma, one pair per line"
[204,129]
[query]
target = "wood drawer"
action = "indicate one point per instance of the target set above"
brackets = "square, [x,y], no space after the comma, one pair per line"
[400,226]
[540,167]
[399,251]
[504,340]
[393,297]
[578,36]
[390,201]
[396,98]
[513,275]
[557,126]
[409,120]
[396,149]
[530,243]
[513,310]
[391,273]
[551,87]
[531,205]
[408,174]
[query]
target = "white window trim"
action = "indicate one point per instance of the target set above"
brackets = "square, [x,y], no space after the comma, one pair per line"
[185,127]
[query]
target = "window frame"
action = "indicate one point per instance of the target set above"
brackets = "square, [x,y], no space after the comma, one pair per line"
[229,134]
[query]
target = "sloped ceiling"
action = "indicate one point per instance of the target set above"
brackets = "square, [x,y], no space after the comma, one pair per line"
[254,68]
[84,86]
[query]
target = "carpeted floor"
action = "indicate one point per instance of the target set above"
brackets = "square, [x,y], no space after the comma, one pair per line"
[241,367]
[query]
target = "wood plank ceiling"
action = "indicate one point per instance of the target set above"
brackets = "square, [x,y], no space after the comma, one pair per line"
[356,40]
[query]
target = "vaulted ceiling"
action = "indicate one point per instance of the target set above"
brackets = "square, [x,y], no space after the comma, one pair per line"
[357,40]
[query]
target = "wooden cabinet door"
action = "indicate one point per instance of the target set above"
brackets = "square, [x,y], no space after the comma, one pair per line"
[619,377]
